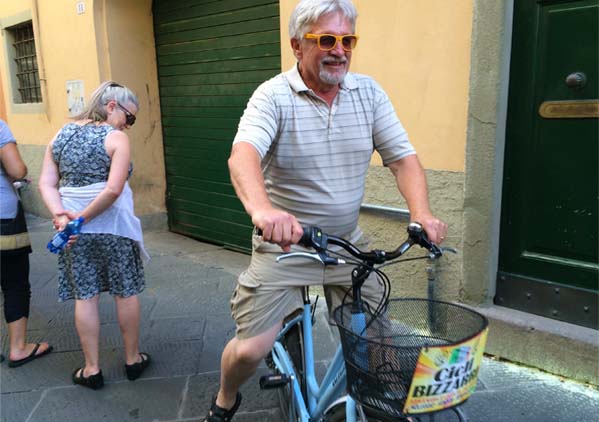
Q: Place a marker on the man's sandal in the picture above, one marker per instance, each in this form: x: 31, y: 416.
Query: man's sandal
x: 218, y: 414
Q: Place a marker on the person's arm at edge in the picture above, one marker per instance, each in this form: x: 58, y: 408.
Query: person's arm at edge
x: 12, y: 162
x: 277, y: 226
x: 411, y: 182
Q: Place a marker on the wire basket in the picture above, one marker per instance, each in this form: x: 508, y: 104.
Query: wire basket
x: 381, y: 353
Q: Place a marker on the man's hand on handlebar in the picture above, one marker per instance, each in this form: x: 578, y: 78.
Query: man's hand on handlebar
x: 435, y: 229
x: 316, y: 239
x: 278, y: 227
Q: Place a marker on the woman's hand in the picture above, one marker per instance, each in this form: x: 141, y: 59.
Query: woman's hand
x: 61, y: 220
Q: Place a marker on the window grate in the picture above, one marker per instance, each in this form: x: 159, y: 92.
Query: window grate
x: 26, y: 60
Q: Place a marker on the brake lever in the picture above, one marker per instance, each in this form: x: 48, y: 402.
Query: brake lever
x: 449, y: 249
x: 435, y: 251
x: 321, y: 257
x: 419, y: 237
x: 308, y: 255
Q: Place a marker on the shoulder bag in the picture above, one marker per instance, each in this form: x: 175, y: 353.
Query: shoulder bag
x: 14, y: 238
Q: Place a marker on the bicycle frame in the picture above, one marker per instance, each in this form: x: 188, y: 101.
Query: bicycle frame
x: 319, y: 397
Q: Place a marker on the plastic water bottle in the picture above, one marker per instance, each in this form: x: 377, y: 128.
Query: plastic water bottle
x: 60, y: 239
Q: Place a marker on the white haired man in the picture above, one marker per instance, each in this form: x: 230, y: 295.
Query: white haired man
x: 300, y: 156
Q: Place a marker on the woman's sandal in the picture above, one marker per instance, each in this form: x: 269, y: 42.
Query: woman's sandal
x: 135, y: 370
x: 95, y: 382
x: 218, y: 414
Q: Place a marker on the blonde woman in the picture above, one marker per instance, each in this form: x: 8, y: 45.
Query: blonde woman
x: 85, y: 173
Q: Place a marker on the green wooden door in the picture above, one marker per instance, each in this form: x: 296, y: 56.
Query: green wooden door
x: 548, y: 261
x: 211, y: 56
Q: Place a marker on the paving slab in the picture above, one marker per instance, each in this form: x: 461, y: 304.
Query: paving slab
x: 150, y: 400
x: 16, y: 407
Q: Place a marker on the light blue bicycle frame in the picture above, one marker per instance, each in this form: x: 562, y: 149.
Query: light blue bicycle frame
x: 319, y: 397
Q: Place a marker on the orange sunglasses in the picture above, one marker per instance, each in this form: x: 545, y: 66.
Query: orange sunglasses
x: 327, y: 42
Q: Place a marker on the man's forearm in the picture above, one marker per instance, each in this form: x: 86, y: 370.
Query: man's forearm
x: 411, y: 182
x: 247, y: 178
x: 277, y: 226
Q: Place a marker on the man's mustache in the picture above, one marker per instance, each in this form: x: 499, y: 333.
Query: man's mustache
x: 333, y: 60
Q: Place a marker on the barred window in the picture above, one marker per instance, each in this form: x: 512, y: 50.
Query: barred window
x: 27, y: 75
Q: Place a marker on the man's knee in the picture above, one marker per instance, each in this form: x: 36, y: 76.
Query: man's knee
x: 252, y: 350
x: 248, y: 353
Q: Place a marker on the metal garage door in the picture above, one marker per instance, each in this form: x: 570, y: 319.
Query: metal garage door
x: 211, y: 56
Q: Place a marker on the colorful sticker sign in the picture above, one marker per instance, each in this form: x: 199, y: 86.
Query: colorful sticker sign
x: 445, y: 376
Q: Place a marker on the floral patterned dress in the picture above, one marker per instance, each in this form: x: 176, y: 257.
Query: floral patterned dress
x: 96, y: 262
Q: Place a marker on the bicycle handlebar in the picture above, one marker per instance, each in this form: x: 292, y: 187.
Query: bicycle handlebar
x: 315, y: 238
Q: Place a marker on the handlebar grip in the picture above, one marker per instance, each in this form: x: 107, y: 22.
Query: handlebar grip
x: 415, y: 229
x: 305, y: 240
x: 419, y: 236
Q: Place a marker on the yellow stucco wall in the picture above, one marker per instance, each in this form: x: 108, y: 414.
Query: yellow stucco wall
x: 62, y: 55
x: 110, y: 40
x: 128, y: 55
x: 419, y: 51
x: 2, y: 104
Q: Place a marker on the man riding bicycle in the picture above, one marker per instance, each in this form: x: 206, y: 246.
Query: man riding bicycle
x: 300, y: 156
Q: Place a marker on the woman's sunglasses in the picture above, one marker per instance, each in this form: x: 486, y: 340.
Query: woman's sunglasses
x: 327, y: 42
x: 129, y: 117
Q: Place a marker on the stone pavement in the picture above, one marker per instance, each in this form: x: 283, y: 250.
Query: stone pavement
x: 185, y: 324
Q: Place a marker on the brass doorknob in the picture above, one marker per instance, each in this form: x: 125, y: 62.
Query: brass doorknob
x: 576, y: 80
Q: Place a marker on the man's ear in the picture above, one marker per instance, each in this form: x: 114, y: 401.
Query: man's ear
x: 295, y: 46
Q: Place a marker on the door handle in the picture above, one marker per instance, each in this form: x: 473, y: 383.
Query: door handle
x: 576, y: 80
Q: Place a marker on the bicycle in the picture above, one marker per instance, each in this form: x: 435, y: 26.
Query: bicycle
x: 381, y: 371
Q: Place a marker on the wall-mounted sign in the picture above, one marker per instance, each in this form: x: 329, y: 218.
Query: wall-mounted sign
x: 75, y: 97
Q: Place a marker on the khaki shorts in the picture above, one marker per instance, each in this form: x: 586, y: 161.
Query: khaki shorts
x: 268, y: 292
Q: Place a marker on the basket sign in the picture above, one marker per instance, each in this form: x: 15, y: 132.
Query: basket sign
x: 445, y: 376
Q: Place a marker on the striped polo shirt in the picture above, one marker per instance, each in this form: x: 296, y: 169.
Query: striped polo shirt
x: 315, y: 157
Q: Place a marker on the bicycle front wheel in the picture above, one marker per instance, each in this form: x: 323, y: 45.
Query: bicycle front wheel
x: 337, y: 414
x: 294, y: 344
